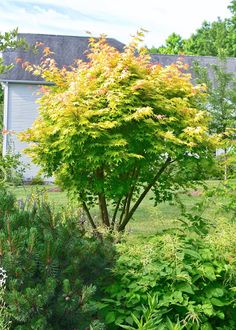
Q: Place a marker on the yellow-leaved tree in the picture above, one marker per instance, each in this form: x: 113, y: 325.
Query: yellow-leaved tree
x: 117, y: 126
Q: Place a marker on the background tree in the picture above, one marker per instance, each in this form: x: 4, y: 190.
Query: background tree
x: 221, y: 104
x: 173, y: 45
x: 211, y: 39
x: 114, y: 128
x: 7, y: 40
x: 215, y: 38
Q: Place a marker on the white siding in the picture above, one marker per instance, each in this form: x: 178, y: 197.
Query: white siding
x: 22, y: 110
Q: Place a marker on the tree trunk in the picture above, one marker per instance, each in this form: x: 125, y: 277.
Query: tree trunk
x: 102, y: 199
x: 225, y: 165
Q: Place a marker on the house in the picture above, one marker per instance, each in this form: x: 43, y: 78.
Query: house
x: 21, y: 87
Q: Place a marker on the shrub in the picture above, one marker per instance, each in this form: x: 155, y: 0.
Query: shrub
x: 11, y: 169
x: 37, y: 180
x: 193, y: 282
x: 224, y: 192
x: 53, y: 267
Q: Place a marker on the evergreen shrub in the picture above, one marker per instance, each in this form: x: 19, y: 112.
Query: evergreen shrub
x: 54, y: 268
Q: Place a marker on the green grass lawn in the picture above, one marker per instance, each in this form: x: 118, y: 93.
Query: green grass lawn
x: 147, y: 220
x: 58, y: 198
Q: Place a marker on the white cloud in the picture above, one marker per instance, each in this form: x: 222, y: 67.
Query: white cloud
x: 118, y: 19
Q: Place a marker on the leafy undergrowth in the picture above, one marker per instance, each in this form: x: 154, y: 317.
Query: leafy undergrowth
x: 62, y: 277
x: 184, y: 278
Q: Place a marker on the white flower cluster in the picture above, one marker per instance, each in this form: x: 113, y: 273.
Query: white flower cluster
x: 3, y: 277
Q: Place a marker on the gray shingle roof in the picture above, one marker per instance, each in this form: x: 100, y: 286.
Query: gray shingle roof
x: 66, y: 48
x: 69, y: 48
x: 204, y: 61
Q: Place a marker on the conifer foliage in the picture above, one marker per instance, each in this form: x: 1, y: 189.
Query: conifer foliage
x: 52, y: 267
x: 115, y: 127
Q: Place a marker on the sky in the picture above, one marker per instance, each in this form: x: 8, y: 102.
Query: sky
x: 116, y: 18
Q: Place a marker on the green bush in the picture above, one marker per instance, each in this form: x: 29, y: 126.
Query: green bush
x: 187, y: 274
x: 53, y: 266
x: 11, y: 169
x: 37, y: 180
x: 226, y: 192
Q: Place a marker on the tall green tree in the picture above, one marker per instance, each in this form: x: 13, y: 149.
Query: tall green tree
x: 217, y: 38
x: 174, y: 44
x: 232, y: 8
x: 211, y: 39
x: 221, y: 104
x: 114, y: 128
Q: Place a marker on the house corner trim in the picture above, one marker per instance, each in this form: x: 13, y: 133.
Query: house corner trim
x: 5, y: 117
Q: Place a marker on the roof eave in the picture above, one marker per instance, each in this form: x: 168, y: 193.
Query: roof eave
x: 29, y: 82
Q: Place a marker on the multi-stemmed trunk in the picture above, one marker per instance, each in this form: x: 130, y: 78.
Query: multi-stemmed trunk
x: 125, y: 206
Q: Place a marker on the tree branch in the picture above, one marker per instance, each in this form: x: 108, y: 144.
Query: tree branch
x: 130, y: 194
x: 144, y: 193
x: 123, y: 210
x: 115, y: 213
x: 89, y: 215
x: 128, y: 197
